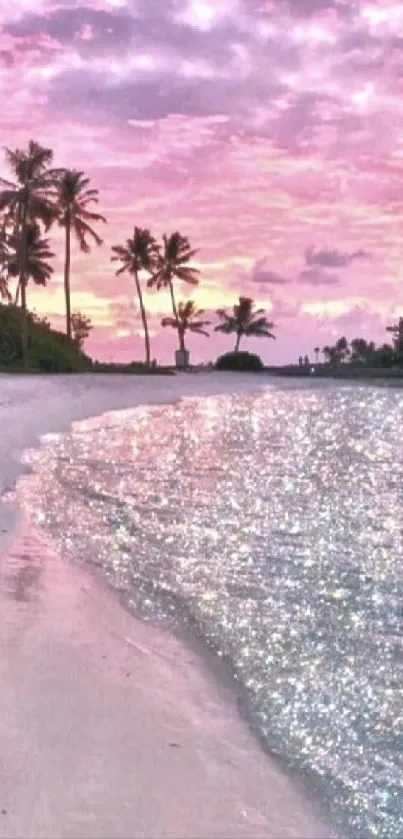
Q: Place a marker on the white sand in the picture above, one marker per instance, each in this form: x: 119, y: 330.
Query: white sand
x: 109, y: 727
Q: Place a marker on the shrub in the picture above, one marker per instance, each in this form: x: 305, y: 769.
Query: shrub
x: 49, y: 351
x: 51, y: 355
x: 10, y: 335
x: 240, y: 362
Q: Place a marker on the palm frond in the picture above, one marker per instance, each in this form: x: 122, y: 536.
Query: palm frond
x: 124, y: 268
x: 261, y: 322
x: 8, y: 199
x: 139, y: 254
x: 169, y: 321
x: 81, y: 230
x: 199, y: 328
x: 38, y: 253
x: 7, y: 184
x: 227, y: 327
x: 187, y: 275
x: 73, y: 195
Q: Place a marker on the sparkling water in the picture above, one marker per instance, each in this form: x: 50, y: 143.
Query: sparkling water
x: 271, y: 524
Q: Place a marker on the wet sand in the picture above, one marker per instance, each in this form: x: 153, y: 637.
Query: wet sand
x: 110, y: 727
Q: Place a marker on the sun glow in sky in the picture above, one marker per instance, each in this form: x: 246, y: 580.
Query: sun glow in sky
x: 270, y: 133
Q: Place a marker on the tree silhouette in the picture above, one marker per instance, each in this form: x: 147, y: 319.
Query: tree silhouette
x: 73, y: 200
x: 140, y: 253
x: 173, y: 264
x: 397, y: 331
x: 244, y: 320
x: 362, y: 350
x: 81, y: 327
x: 25, y: 200
x: 37, y: 258
x: 189, y: 319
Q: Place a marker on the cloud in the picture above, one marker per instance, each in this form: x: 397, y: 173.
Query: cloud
x: 263, y: 275
x: 332, y: 257
x: 283, y: 309
x: 318, y: 276
x: 306, y: 8
x: 270, y: 70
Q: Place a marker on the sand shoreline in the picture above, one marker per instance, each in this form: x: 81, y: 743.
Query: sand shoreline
x: 115, y: 728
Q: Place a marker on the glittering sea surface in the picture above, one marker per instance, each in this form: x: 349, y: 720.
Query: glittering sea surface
x: 272, y: 525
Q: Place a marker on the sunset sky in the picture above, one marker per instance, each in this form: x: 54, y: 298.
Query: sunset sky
x: 269, y: 133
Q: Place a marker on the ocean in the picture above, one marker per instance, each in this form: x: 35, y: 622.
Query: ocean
x: 270, y: 525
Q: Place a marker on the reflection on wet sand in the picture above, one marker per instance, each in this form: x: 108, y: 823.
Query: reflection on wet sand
x: 91, y: 702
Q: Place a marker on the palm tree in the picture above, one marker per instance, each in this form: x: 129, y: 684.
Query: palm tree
x: 317, y: 351
x: 189, y: 319
x: 173, y: 264
x: 37, y: 256
x: 330, y: 354
x: 140, y: 253
x: 244, y: 320
x: 25, y: 200
x: 342, y: 349
x: 73, y: 199
x: 338, y: 353
x: 362, y: 350
x: 397, y: 330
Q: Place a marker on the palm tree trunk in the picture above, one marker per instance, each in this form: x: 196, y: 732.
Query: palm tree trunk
x: 67, y: 275
x: 144, y: 320
x: 238, y: 341
x: 22, y: 283
x: 175, y: 313
x: 17, y: 294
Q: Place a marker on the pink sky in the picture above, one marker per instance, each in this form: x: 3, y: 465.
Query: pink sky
x: 258, y: 129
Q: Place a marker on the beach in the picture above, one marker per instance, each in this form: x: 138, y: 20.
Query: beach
x: 111, y: 727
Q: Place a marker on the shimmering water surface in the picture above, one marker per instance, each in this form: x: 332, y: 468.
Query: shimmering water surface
x: 272, y: 523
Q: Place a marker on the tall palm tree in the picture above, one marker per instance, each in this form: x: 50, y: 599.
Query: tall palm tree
x: 173, y: 264
x: 73, y: 199
x: 26, y: 199
x: 37, y: 256
x: 397, y: 330
x: 342, y: 349
x: 246, y: 321
x: 140, y: 253
x: 189, y: 319
x: 317, y: 351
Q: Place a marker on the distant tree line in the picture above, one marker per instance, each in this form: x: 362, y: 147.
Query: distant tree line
x: 362, y: 352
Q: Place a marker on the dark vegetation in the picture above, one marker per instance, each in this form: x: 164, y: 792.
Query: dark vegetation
x: 134, y: 367
x: 241, y: 362
x: 49, y: 351
x: 353, y: 359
